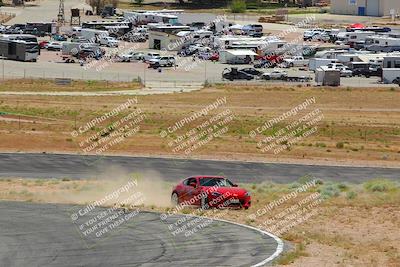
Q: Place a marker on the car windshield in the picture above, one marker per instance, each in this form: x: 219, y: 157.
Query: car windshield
x: 214, y: 181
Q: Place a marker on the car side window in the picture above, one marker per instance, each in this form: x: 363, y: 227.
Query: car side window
x: 191, y: 180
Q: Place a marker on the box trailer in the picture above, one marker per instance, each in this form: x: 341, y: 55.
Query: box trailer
x: 326, y: 76
x: 19, y: 50
x: 93, y: 36
x: 73, y: 48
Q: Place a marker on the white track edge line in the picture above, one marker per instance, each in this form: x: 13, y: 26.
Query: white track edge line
x: 279, y: 241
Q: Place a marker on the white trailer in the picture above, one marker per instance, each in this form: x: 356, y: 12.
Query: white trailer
x: 315, y: 63
x: 236, y: 56
x: 327, y: 76
x: 93, y: 36
x: 390, y: 74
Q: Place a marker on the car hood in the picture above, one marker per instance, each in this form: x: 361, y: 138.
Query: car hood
x: 235, y: 191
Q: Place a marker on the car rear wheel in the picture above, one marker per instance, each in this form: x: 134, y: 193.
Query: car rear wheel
x: 174, y: 199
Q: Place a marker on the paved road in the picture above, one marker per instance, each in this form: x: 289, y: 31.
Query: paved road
x: 44, y: 235
x: 78, y: 166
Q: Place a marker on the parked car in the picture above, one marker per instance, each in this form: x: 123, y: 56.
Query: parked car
x: 163, y: 61
x: 252, y: 71
x: 59, y: 38
x: 150, y: 55
x: 274, y: 75
x: 397, y: 81
x: 208, y: 56
x: 235, y: 74
x: 210, y: 191
x: 54, y: 46
x: 346, y: 72
x: 109, y: 41
x: 310, y: 34
x: 297, y: 61
x: 269, y: 61
x: 43, y: 44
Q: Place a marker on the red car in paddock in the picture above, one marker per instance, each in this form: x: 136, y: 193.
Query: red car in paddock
x: 210, y: 191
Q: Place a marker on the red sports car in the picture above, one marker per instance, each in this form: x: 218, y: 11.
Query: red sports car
x: 210, y: 191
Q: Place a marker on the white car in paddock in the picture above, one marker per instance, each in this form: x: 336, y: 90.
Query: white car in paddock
x: 274, y: 75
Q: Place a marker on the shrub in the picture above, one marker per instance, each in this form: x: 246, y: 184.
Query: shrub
x: 380, y: 185
x: 139, y: 2
x: 351, y: 195
x: 342, y: 186
x: 238, y: 6
x: 340, y: 145
x: 328, y: 191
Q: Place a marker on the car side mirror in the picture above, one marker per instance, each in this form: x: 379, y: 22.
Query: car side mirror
x: 192, y: 184
x: 235, y: 185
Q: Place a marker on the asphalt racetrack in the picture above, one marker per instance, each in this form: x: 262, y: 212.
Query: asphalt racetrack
x: 80, y: 166
x: 46, y: 235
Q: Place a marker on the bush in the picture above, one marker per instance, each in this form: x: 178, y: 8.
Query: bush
x: 238, y: 6
x: 340, y: 145
x: 320, y: 145
x: 351, y: 195
x: 328, y: 191
x: 342, y: 186
x: 139, y: 2
x: 380, y: 185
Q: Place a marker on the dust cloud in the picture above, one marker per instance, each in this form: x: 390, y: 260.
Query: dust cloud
x: 115, y: 187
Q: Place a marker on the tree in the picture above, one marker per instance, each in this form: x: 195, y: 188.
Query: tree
x: 98, y: 5
x: 238, y: 6
x: 139, y: 2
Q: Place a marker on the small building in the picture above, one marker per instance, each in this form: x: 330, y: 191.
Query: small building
x: 375, y: 8
x: 327, y: 76
x: 165, y: 37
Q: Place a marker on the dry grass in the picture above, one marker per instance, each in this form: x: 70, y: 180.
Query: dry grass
x: 359, y: 125
x: 48, y: 85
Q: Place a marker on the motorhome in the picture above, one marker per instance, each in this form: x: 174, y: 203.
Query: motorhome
x: 115, y: 28
x: 140, y: 18
x: 382, y: 43
x: 19, y: 50
x: 263, y: 45
x: 330, y: 54
x: 350, y: 38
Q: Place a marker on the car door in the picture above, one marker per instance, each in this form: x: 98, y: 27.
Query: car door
x: 189, y: 191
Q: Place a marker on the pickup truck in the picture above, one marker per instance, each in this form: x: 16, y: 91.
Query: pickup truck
x: 109, y: 41
x: 297, y: 61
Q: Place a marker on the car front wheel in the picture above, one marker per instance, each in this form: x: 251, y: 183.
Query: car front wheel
x: 204, y: 203
x: 174, y: 199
